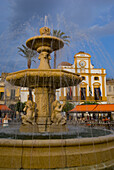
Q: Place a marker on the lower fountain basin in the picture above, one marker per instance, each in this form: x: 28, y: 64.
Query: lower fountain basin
x: 84, y: 153
x: 53, y: 78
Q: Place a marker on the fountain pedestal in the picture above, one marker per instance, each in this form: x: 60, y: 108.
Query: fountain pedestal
x: 42, y: 103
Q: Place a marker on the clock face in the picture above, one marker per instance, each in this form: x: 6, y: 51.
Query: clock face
x: 82, y: 63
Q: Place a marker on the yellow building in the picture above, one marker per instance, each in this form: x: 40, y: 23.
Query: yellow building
x: 9, y: 94
x: 93, y: 86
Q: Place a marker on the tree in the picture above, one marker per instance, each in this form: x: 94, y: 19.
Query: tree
x: 28, y: 54
x: 89, y: 103
x: 12, y: 107
x: 61, y: 35
x: 19, y: 106
x: 68, y: 106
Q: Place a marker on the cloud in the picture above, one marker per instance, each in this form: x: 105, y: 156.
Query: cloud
x: 28, y: 16
x: 81, y: 19
x: 81, y: 12
x: 104, y: 30
x: 25, y: 9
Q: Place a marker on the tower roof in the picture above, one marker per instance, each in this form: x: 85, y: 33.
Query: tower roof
x: 82, y: 54
x: 65, y: 63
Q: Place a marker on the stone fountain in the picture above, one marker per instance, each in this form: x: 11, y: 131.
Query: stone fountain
x: 45, y: 81
x: 77, y: 153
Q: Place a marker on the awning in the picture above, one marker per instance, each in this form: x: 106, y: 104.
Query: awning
x: 3, y: 107
x: 104, y: 108
x: 93, y: 108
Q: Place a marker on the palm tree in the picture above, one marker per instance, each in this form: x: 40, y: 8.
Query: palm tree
x: 28, y: 54
x: 64, y: 37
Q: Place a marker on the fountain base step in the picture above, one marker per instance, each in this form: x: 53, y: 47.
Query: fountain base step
x: 67, y: 154
x: 43, y: 128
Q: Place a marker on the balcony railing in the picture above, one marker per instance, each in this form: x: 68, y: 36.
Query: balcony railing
x: 78, y: 98
x: 13, y: 98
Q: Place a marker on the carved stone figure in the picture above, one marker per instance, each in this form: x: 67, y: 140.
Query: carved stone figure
x: 56, y: 116
x: 29, y: 118
x: 44, y: 31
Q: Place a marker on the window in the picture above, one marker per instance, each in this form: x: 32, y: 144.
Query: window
x: 96, y: 78
x: 83, y: 78
x: 69, y: 93
x: 109, y: 88
x: 97, y: 93
x: 83, y: 93
x: 12, y: 94
x: 1, y: 95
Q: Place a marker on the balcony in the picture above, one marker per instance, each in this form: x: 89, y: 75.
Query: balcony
x: 78, y: 98
x: 15, y: 98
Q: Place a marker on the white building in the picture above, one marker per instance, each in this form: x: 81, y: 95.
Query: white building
x: 24, y: 94
x: 93, y: 86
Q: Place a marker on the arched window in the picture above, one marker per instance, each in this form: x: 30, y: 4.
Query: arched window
x: 83, y: 93
x: 97, y: 93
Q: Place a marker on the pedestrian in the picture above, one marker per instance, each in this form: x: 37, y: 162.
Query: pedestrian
x: 5, y: 121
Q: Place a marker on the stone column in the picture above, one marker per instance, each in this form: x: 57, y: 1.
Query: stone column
x: 42, y: 102
x: 51, y: 99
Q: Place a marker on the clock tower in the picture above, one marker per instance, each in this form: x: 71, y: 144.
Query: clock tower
x: 93, y: 86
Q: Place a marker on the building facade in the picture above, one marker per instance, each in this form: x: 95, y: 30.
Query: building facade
x: 9, y: 94
x: 24, y: 94
x: 93, y: 85
x: 110, y: 91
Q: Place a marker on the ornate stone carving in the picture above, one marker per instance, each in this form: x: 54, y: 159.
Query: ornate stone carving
x: 44, y: 31
x: 29, y: 118
x: 52, y: 77
x: 56, y: 116
x: 42, y: 100
x: 44, y: 58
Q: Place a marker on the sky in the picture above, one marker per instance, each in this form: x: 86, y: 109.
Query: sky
x: 89, y: 23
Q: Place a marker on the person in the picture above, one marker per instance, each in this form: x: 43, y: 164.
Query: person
x: 17, y: 116
x: 5, y: 121
x: 56, y: 116
x: 29, y: 118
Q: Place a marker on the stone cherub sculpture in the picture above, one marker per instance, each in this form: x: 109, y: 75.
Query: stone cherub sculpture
x: 56, y: 116
x: 44, y: 31
x: 29, y: 118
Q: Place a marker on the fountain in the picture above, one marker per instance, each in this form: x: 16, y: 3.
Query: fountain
x: 44, y: 79
x: 96, y: 152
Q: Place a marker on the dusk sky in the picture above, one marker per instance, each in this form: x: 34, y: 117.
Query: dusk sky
x: 89, y: 23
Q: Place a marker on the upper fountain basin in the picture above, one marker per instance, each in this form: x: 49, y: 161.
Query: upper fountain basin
x: 45, y: 43
x: 53, y: 78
